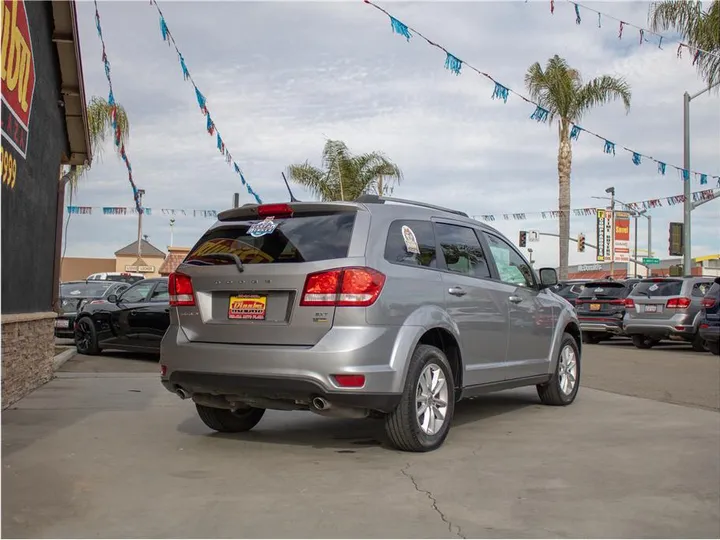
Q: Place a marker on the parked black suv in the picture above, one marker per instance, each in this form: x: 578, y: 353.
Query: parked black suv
x: 710, y: 318
x: 601, y: 308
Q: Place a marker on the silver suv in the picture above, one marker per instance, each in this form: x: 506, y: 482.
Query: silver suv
x: 378, y: 307
x: 666, y: 308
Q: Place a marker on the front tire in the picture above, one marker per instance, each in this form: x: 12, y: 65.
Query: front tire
x: 643, y: 342
x: 86, y: 340
x: 562, y: 388
x: 421, y: 421
x: 227, y: 421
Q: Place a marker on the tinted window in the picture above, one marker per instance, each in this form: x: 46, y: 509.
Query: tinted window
x: 84, y: 290
x: 136, y: 293
x: 462, y: 250
x: 511, y: 266
x: 160, y: 294
x: 713, y: 291
x: 658, y: 288
x: 701, y: 289
x: 411, y: 242
x: 290, y: 240
x: 604, y: 290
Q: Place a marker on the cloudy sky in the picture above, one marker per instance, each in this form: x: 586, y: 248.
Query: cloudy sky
x: 281, y: 77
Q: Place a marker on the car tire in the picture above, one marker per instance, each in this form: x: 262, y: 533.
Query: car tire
x: 592, y: 338
x: 698, y: 344
x: 643, y: 342
x: 86, y: 340
x: 714, y: 347
x: 562, y: 388
x: 410, y: 429
x: 227, y: 421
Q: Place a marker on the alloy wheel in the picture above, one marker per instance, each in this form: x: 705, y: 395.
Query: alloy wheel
x: 431, y: 399
x: 567, y: 370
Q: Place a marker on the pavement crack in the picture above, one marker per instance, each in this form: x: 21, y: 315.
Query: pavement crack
x: 434, y: 502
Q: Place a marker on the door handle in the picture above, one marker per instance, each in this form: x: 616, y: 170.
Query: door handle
x: 515, y: 299
x: 457, y: 291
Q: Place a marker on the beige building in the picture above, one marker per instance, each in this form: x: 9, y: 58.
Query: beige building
x: 151, y: 258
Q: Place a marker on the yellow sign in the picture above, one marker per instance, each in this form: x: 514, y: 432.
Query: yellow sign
x: 9, y: 169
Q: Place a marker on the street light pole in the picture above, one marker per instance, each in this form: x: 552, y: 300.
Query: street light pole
x: 688, y: 204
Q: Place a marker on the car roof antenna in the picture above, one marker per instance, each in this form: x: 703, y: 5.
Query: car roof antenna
x: 292, y: 197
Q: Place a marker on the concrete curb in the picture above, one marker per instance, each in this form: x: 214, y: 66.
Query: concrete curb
x: 63, y: 357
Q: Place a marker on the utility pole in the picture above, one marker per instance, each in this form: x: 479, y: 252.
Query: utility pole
x: 236, y: 200
x: 688, y: 204
x: 530, y: 251
x: 141, y: 192
x: 172, y: 224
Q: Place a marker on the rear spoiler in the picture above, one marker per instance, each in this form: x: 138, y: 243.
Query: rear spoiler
x: 254, y: 211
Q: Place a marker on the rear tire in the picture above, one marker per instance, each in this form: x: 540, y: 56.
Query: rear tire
x: 86, y: 340
x: 714, y: 347
x: 698, y: 344
x: 227, y: 421
x: 643, y: 342
x: 408, y: 427
x: 562, y: 388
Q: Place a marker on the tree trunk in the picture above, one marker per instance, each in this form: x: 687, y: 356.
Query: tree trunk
x: 564, y: 167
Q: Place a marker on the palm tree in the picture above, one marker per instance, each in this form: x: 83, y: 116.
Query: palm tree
x: 345, y: 176
x: 100, y: 125
x: 697, y: 27
x: 560, y: 90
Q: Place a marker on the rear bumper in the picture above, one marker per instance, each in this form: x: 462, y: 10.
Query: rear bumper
x: 679, y: 326
x: 294, y: 373
x: 66, y: 332
x: 601, y: 325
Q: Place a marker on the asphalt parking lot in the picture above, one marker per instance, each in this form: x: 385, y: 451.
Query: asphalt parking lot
x: 104, y: 451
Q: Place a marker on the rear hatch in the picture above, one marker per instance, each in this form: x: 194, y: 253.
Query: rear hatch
x: 657, y: 298
x: 248, y: 274
x: 602, y: 299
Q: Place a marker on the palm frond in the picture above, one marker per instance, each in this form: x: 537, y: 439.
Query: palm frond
x: 600, y: 91
x: 311, y: 178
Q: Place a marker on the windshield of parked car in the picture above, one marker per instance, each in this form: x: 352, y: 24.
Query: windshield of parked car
x: 609, y: 290
x: 84, y: 290
x: 670, y: 287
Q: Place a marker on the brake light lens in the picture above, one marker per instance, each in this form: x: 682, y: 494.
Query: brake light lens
x: 618, y: 302
x: 180, y: 289
x: 265, y: 210
x: 353, y: 286
x: 678, y: 303
x: 708, y: 302
x: 629, y: 303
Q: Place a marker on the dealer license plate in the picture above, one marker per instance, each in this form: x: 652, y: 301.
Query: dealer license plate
x: 248, y: 307
x: 651, y: 308
x: 62, y: 323
x: 594, y: 307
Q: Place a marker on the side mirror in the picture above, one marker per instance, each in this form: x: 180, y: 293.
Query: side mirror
x: 112, y: 298
x: 548, y: 277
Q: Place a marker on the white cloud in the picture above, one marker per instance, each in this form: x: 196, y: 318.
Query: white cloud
x: 280, y: 77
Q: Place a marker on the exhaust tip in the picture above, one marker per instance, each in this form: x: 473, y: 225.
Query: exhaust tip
x: 182, y: 393
x: 320, y: 404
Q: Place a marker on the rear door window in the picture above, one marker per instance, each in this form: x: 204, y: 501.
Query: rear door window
x: 462, y: 250
x: 670, y: 287
x: 411, y: 242
x: 713, y: 291
x: 308, y: 238
x: 700, y: 289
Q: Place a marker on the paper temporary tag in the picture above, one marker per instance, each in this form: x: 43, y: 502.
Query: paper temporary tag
x: 599, y: 289
x: 261, y: 228
x: 410, y: 241
x: 75, y: 292
x: 653, y: 287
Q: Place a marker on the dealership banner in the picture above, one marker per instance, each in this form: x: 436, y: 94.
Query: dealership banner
x: 601, y: 256
x: 622, y: 237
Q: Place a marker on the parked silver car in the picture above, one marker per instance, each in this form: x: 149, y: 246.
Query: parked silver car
x: 377, y: 307
x: 666, y: 308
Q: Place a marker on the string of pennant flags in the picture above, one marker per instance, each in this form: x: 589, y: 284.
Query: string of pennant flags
x: 705, y: 195
x: 642, y: 33
x: 202, y: 103
x: 502, y: 92
x: 113, y: 114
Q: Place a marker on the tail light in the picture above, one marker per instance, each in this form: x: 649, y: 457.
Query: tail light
x: 678, y: 303
x: 618, y: 302
x: 350, y: 381
x: 708, y: 302
x: 354, y: 286
x: 265, y: 210
x: 577, y: 301
x: 180, y: 289
x: 629, y: 303
x: 98, y: 302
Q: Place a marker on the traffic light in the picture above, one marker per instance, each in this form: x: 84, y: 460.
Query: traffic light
x: 523, y: 238
x: 676, y: 240
x: 581, y: 242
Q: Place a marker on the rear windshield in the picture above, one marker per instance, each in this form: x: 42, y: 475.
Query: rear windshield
x: 292, y: 240
x: 117, y: 278
x: 84, y: 290
x: 658, y: 288
x: 608, y: 290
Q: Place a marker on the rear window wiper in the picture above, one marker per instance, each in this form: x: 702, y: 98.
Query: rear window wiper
x: 227, y: 256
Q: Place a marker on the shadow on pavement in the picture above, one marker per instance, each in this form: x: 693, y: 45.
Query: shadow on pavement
x: 301, y: 428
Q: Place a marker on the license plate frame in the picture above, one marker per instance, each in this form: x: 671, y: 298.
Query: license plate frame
x: 651, y: 308
x: 248, y: 307
x: 62, y: 323
x: 595, y: 307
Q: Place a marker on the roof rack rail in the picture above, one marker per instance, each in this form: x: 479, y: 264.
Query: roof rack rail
x: 376, y: 199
